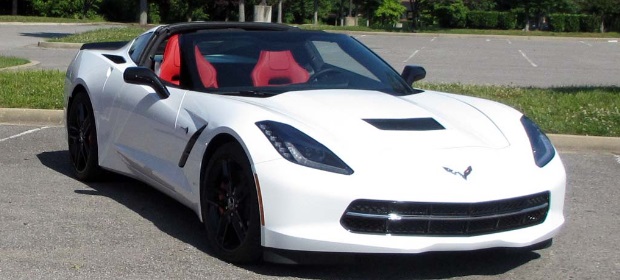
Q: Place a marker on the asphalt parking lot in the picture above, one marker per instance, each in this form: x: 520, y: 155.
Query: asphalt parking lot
x: 503, y: 60
x: 498, y: 60
x: 53, y: 226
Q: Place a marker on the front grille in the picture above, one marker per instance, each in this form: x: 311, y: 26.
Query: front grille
x: 445, y: 219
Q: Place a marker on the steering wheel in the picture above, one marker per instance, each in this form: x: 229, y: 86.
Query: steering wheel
x: 315, y: 77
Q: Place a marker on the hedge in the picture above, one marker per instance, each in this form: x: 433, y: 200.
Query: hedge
x: 482, y: 19
x: 506, y: 20
x: 557, y: 22
x: 589, y: 23
x: 452, y: 16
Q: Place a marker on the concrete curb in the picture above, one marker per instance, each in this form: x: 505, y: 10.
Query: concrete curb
x: 580, y: 143
x: 31, y: 116
x: 564, y: 143
x: 29, y: 64
x: 59, y: 45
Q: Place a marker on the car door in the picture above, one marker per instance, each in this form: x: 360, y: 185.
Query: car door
x: 147, y: 142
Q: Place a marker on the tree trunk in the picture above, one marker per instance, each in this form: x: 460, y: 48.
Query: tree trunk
x: 14, y: 10
x: 143, y: 12
x: 527, y: 24
x: 280, y: 11
x: 241, y: 10
x: 602, y: 23
x: 350, y: 8
x: 315, y: 20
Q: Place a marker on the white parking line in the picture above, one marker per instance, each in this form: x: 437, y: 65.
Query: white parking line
x: 587, y: 44
x: 617, y: 158
x: 509, y: 42
x: 433, y: 40
x: 528, y: 59
x: 411, y: 56
x: 23, y: 133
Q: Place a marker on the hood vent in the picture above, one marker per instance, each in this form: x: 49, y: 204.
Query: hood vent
x: 418, y: 124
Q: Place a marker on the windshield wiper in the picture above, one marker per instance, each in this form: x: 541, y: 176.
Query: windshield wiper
x: 247, y: 93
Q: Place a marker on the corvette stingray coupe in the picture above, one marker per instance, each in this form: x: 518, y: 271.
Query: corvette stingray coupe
x: 286, y: 142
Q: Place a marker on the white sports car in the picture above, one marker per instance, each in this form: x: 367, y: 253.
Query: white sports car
x: 286, y: 142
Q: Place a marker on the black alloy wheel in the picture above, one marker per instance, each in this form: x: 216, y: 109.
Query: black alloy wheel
x: 230, y: 206
x: 82, y: 137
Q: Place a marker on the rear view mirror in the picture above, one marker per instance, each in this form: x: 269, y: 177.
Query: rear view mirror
x: 413, y: 73
x: 146, y: 77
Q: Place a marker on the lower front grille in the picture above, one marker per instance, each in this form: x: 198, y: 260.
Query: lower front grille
x: 445, y: 219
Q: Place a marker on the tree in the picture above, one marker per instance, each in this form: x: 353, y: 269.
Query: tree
x: 143, y: 12
x: 390, y: 11
x: 315, y: 19
x: 241, y: 10
x: 602, y: 9
x: 279, y: 11
x: 14, y: 9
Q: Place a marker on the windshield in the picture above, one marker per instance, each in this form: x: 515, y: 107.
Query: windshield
x: 267, y: 62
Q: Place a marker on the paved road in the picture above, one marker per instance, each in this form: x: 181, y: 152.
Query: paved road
x: 52, y: 226
x: 520, y: 61
x: 21, y: 41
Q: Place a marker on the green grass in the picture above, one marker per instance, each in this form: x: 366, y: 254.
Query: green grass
x: 523, y: 33
x: 103, y: 35
x: 565, y: 110
x: 40, y: 89
x: 5, y: 18
x: 8, y: 61
x: 467, y: 31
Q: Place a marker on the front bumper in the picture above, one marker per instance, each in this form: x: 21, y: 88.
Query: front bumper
x: 303, y: 209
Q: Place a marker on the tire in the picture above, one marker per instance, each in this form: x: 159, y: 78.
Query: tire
x: 82, y: 138
x: 229, y: 206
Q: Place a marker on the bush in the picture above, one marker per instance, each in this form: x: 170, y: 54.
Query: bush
x: 153, y: 13
x: 453, y: 15
x: 482, y: 19
x: 571, y: 23
x: 614, y: 24
x: 67, y: 8
x: 506, y: 20
x: 557, y: 22
x: 589, y: 23
x: 111, y: 9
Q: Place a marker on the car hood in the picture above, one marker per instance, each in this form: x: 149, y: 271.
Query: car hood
x: 425, y: 120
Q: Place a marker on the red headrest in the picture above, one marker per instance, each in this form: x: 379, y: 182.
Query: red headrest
x: 171, y: 66
x: 206, y: 71
x: 278, y: 68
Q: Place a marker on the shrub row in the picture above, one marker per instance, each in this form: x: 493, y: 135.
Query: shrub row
x: 573, y: 23
x: 491, y: 20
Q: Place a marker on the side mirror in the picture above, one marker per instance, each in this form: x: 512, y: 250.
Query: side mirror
x: 413, y: 73
x: 146, y: 77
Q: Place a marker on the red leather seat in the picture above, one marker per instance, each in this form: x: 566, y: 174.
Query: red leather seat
x: 206, y: 71
x: 170, y: 69
x: 278, y: 68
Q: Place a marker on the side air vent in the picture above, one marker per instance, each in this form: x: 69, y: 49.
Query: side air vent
x: 418, y: 124
x: 115, y: 58
x: 104, y: 46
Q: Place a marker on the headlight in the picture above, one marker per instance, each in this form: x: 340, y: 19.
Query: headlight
x: 299, y: 148
x: 541, y: 145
